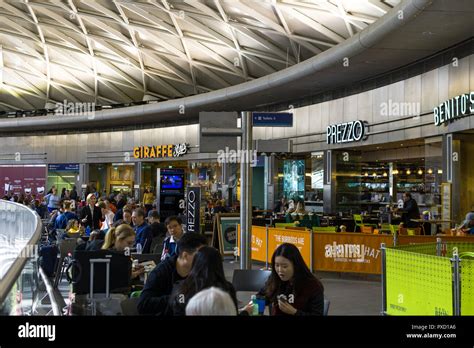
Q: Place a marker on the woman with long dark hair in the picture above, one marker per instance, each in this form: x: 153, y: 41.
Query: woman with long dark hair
x: 207, y: 271
x: 291, y: 288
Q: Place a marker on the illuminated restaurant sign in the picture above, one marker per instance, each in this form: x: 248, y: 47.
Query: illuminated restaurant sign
x: 160, y: 151
x: 345, y: 132
x: 454, y: 108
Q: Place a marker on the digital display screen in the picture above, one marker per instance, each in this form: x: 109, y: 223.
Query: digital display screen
x: 293, y: 178
x: 171, y: 182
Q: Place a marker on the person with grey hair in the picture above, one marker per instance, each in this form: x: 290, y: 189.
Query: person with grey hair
x: 211, y: 301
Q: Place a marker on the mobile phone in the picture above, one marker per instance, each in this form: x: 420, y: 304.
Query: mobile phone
x: 282, y: 298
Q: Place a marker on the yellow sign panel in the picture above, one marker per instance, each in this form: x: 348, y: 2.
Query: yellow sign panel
x: 160, y: 151
x: 301, y: 239
x: 259, y: 243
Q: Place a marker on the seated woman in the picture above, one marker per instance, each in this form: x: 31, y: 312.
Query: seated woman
x: 121, y: 239
x: 291, y: 288
x: 300, y: 209
x: 207, y: 271
x: 73, y: 226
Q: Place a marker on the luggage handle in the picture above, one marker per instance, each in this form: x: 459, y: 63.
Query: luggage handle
x: 107, y: 276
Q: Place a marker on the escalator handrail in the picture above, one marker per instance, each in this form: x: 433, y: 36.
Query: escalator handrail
x: 9, y: 279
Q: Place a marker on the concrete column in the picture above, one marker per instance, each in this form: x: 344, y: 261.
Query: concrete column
x: 137, y: 182
x: 83, y: 180
x: 246, y: 193
x: 329, y: 190
x: 452, y: 172
x: 269, y: 194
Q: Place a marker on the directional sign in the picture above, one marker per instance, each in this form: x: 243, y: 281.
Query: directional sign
x: 63, y: 167
x: 272, y: 119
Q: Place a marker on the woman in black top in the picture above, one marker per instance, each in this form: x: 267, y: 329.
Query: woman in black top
x: 207, y: 271
x: 291, y: 288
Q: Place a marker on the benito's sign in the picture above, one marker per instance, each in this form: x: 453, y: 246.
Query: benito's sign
x: 454, y: 108
x: 160, y: 151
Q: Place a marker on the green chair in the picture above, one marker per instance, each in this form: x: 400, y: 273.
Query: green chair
x: 325, y: 229
x: 315, y: 221
x: 359, y: 222
x: 388, y: 227
x: 305, y: 222
x: 136, y: 294
x: 284, y: 224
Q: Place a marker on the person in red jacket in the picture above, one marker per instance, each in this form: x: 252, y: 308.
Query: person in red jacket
x: 291, y: 288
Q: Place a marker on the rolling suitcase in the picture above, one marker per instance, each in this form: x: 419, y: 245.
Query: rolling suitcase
x: 95, y: 275
x: 48, y: 257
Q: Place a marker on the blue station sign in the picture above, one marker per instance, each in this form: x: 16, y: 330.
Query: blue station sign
x: 272, y: 119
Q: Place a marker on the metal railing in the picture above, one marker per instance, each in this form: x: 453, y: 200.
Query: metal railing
x: 20, y: 231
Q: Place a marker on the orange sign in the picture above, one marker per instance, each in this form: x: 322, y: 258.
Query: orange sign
x: 301, y: 239
x: 259, y: 243
x: 349, y: 252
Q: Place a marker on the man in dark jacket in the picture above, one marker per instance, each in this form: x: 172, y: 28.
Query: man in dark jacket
x: 409, y: 211
x: 142, y: 229
x: 155, y: 295
x: 158, y: 229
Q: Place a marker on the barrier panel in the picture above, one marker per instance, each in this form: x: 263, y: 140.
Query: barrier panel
x: 418, y: 284
x: 348, y: 252
x: 467, y: 287
x: 263, y: 246
x: 402, y: 239
x: 429, y: 279
x: 300, y: 238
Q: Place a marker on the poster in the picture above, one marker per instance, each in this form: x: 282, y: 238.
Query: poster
x: 446, y: 204
x: 227, y: 232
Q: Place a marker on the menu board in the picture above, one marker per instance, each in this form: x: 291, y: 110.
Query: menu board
x: 446, y: 203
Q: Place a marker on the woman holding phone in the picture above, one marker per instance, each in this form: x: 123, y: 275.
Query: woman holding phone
x: 291, y: 288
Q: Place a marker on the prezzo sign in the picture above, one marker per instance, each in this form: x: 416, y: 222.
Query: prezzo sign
x: 345, y: 132
x: 193, y: 208
x: 457, y: 107
x: 160, y: 151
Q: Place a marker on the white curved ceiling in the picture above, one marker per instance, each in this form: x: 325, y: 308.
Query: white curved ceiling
x: 122, y: 51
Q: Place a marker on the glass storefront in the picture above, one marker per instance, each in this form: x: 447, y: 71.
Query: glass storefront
x: 63, y: 176
x: 368, y: 180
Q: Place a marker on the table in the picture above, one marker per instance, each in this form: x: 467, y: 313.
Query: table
x: 432, y: 222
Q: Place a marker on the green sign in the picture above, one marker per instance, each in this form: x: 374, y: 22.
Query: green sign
x: 227, y: 230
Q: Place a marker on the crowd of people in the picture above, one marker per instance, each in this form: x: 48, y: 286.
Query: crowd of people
x: 189, y: 279
x: 192, y: 282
